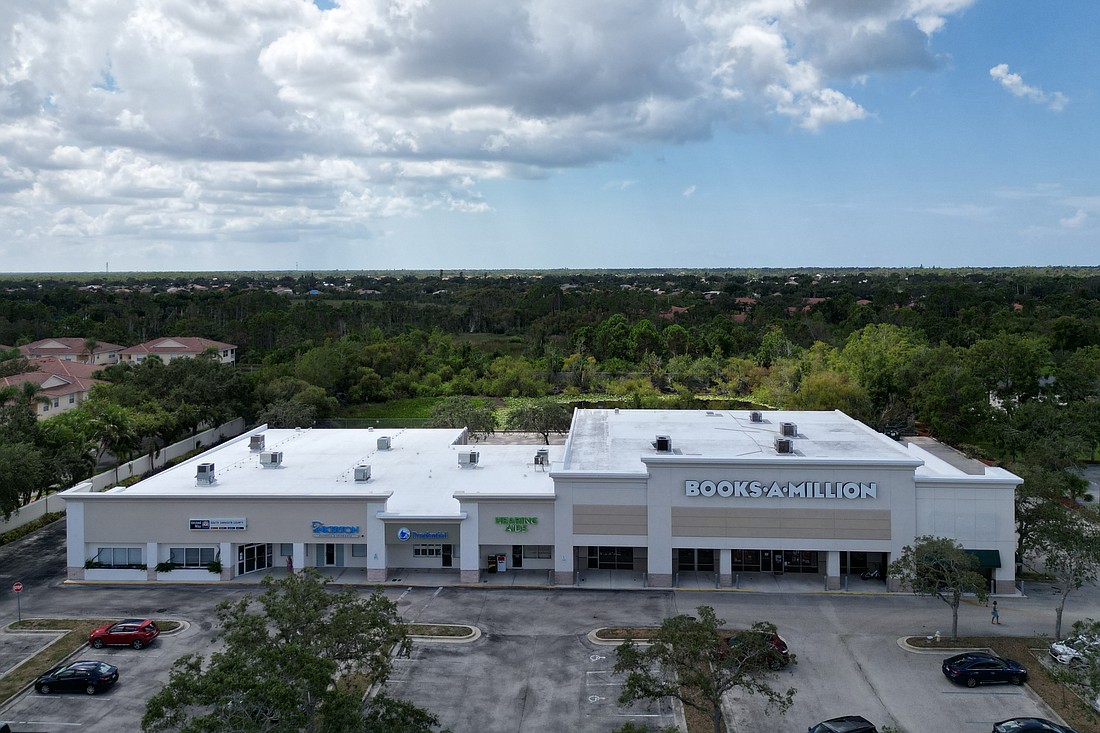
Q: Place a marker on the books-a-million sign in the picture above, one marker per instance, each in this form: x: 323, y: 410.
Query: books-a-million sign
x: 789, y: 490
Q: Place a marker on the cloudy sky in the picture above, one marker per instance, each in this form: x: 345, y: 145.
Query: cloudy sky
x: 480, y: 134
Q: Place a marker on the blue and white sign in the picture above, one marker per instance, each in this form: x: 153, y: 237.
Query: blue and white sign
x: 320, y: 529
x: 404, y: 534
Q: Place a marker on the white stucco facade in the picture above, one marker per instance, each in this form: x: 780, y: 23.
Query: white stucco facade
x: 654, y: 492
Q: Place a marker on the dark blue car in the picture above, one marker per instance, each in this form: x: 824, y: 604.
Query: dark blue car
x: 89, y: 677
x: 978, y: 668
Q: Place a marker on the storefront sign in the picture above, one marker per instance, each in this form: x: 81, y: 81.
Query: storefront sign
x: 790, y: 490
x: 235, y: 523
x: 517, y: 524
x: 320, y: 529
x: 405, y: 534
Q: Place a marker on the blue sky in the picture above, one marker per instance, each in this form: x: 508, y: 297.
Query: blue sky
x: 273, y: 134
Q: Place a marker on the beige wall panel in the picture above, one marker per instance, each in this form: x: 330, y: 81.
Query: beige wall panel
x: 610, y: 520
x: 825, y: 524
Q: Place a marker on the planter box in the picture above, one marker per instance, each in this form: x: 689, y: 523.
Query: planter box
x: 189, y: 575
x: 115, y: 574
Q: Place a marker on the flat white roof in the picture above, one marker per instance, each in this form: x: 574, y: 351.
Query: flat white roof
x: 420, y: 470
x: 617, y: 440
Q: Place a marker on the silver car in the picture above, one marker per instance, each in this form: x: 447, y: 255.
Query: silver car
x: 1075, y: 649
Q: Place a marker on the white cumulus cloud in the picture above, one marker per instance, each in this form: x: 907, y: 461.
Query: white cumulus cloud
x: 162, y: 120
x: 1015, y: 85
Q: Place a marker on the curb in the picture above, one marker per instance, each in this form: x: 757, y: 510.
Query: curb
x: 474, y: 635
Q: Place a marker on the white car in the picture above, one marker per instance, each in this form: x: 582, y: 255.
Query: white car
x: 1074, y: 649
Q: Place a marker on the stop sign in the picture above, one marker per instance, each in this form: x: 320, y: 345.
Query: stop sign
x: 17, y: 587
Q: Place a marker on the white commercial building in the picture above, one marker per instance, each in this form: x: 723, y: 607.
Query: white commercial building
x: 658, y: 492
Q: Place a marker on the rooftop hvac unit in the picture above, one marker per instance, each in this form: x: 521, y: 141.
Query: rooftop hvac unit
x: 756, y: 416
x: 788, y: 429
x: 256, y: 443
x: 663, y: 444
x: 467, y: 458
x: 784, y: 445
x: 271, y: 458
x: 362, y: 472
x: 384, y: 442
x: 204, y: 474
x: 542, y: 457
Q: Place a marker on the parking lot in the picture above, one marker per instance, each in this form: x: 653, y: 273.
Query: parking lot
x: 141, y: 674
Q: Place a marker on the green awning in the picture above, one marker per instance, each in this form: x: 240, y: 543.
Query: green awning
x: 986, y: 558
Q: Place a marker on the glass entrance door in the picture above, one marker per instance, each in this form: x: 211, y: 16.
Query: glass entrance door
x: 611, y: 558
x: 251, y: 558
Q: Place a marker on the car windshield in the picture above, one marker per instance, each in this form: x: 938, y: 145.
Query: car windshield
x: 103, y: 668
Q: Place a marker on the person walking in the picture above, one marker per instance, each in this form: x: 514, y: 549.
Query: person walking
x: 996, y: 614
x: 289, y: 564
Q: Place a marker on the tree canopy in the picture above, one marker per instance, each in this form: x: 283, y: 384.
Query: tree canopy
x: 940, y: 567
x: 297, y: 657
x: 696, y: 661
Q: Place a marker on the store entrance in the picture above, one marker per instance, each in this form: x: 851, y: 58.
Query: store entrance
x: 779, y: 562
x: 251, y: 558
x: 611, y: 558
x: 690, y: 559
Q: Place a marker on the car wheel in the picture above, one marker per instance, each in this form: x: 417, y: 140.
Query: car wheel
x: 97, y: 643
x: 971, y: 682
x: 137, y: 643
x: 1016, y: 679
x: 44, y: 689
x: 90, y: 689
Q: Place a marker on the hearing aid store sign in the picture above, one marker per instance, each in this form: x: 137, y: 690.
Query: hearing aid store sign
x: 789, y: 490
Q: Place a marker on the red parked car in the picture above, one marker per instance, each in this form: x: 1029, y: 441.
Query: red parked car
x: 128, y: 632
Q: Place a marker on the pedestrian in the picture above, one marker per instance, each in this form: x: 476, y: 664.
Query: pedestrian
x: 289, y: 564
x: 996, y: 614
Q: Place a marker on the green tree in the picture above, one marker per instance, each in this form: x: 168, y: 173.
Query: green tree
x: 473, y: 413
x: 940, y: 567
x: 113, y: 428
x: 539, y: 416
x: 294, y: 659
x: 22, y: 472
x: 1071, y: 553
x: 690, y: 659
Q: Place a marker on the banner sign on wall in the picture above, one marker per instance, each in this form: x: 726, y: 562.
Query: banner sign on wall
x: 233, y: 523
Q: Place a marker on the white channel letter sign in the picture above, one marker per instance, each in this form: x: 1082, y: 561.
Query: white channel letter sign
x: 789, y: 490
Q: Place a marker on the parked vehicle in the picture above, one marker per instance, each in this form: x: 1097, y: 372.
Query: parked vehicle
x: 86, y: 676
x: 976, y: 668
x: 779, y: 655
x: 1030, y: 725
x: 844, y: 724
x: 133, y: 632
x: 1075, y: 649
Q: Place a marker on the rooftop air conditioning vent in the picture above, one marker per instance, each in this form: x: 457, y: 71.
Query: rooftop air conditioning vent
x: 271, y: 458
x: 784, y: 446
x: 467, y: 458
x: 256, y: 443
x: 756, y: 416
x: 542, y: 457
x: 384, y: 442
x: 204, y: 474
x: 362, y: 472
x: 663, y: 444
x: 788, y: 429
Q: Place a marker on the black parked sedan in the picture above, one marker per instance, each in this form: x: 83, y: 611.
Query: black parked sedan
x: 1030, y: 725
x: 89, y: 677
x: 977, y: 668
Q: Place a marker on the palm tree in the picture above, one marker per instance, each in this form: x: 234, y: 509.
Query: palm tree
x: 90, y: 345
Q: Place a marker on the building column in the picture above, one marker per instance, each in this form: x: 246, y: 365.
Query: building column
x: 229, y: 560
x: 469, y: 539
x: 74, y: 538
x: 377, y: 571
x: 725, y: 568
x: 832, y: 570
x: 298, y: 556
x: 152, y: 552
